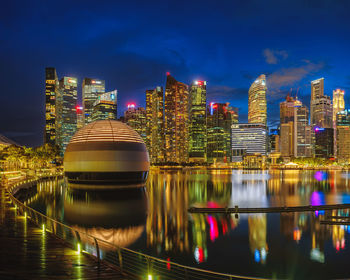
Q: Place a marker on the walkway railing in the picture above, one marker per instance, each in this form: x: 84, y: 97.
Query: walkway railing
x: 134, y: 264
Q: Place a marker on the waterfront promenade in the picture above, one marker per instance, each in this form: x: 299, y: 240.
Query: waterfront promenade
x: 28, y: 252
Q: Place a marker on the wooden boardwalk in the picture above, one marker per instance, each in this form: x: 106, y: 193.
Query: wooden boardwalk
x: 28, y: 253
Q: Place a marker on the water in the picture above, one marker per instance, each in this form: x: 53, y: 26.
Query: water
x: 154, y: 220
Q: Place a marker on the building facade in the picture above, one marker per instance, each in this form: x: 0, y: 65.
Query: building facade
x: 197, y: 119
x: 338, y: 106
x: 91, y: 89
x: 324, y: 146
x: 248, y: 139
x: 155, y: 124
x: 220, y: 117
x: 80, y: 117
x: 176, y: 121
x: 51, y: 92
x: 257, y: 101
x: 136, y: 118
x: 66, y: 111
x: 343, y: 135
x: 105, y: 107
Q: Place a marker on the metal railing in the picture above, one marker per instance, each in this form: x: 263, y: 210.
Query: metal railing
x: 134, y: 264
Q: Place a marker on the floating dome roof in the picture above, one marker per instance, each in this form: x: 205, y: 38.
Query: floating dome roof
x: 106, y: 131
x: 106, y: 151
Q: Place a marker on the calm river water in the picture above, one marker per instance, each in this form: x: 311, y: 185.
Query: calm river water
x: 154, y: 220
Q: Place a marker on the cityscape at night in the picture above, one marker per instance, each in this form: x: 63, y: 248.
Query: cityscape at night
x: 175, y: 140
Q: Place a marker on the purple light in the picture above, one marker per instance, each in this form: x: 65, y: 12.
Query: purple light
x: 320, y: 176
x: 317, y: 198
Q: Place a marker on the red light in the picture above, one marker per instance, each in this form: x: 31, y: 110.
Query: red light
x: 215, y: 106
x: 200, y: 83
x: 131, y: 105
x: 78, y: 108
x: 167, y: 73
x: 168, y: 266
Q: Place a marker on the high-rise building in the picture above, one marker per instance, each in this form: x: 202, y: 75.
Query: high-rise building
x: 343, y: 135
x: 105, y: 107
x: 155, y: 124
x: 317, y: 88
x: 80, y: 117
x: 324, y: 142
x: 176, y: 120
x: 274, y: 138
x: 338, y: 103
x: 136, y: 118
x: 257, y: 101
x: 302, y: 131
x: 51, y: 92
x: 67, y: 116
x: 220, y: 117
x: 197, y: 119
x: 338, y: 106
x: 92, y: 88
x: 295, y: 136
x: 322, y: 115
x: 248, y: 139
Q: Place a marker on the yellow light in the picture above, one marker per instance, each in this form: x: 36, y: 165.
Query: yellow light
x: 150, y: 277
x: 43, y: 227
x: 78, y: 248
x: 25, y: 215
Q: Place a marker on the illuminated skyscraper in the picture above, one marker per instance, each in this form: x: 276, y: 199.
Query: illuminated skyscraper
x: 248, y: 139
x: 257, y: 101
x: 343, y: 135
x: 67, y: 116
x: 338, y: 103
x: 176, y: 120
x: 324, y: 145
x: 197, y: 118
x: 136, y: 118
x: 155, y: 124
x: 51, y: 92
x: 80, y: 117
x: 338, y: 106
x: 105, y: 107
x: 220, y: 117
x: 295, y: 137
x: 92, y: 88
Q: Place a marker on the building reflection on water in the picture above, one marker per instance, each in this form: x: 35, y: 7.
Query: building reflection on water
x: 158, y: 222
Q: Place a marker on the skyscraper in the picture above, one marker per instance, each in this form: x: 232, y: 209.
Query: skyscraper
x: 220, y: 117
x: 197, y: 118
x: 51, y: 92
x: 343, y: 135
x: 324, y: 145
x: 80, y: 117
x: 91, y: 90
x: 176, y: 120
x: 248, y: 139
x: 302, y: 131
x: 155, y: 124
x: 338, y: 103
x: 136, y: 118
x: 67, y: 116
x: 257, y: 101
x: 105, y: 107
x: 338, y: 106
x: 295, y: 137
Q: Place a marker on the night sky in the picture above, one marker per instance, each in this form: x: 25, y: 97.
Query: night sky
x: 132, y: 44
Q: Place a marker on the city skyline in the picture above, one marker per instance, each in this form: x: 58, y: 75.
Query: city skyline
x: 228, y: 45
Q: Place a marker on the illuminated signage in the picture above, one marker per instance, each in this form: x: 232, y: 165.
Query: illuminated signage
x: 200, y: 83
x: 96, y: 82
x: 167, y: 73
x: 131, y: 105
x: 72, y: 81
x: 211, y: 108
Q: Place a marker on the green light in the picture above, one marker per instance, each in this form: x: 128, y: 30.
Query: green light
x: 78, y: 248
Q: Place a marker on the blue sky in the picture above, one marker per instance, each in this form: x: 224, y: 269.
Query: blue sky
x: 132, y: 44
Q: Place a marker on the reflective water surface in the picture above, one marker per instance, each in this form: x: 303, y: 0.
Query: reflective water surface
x: 154, y: 220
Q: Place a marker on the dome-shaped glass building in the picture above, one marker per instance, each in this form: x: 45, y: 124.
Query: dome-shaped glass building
x: 106, y: 152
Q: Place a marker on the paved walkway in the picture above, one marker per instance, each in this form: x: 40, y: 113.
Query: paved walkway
x: 28, y: 253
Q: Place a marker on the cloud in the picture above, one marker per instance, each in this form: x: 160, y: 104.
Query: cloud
x: 290, y: 76
x: 274, y: 56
